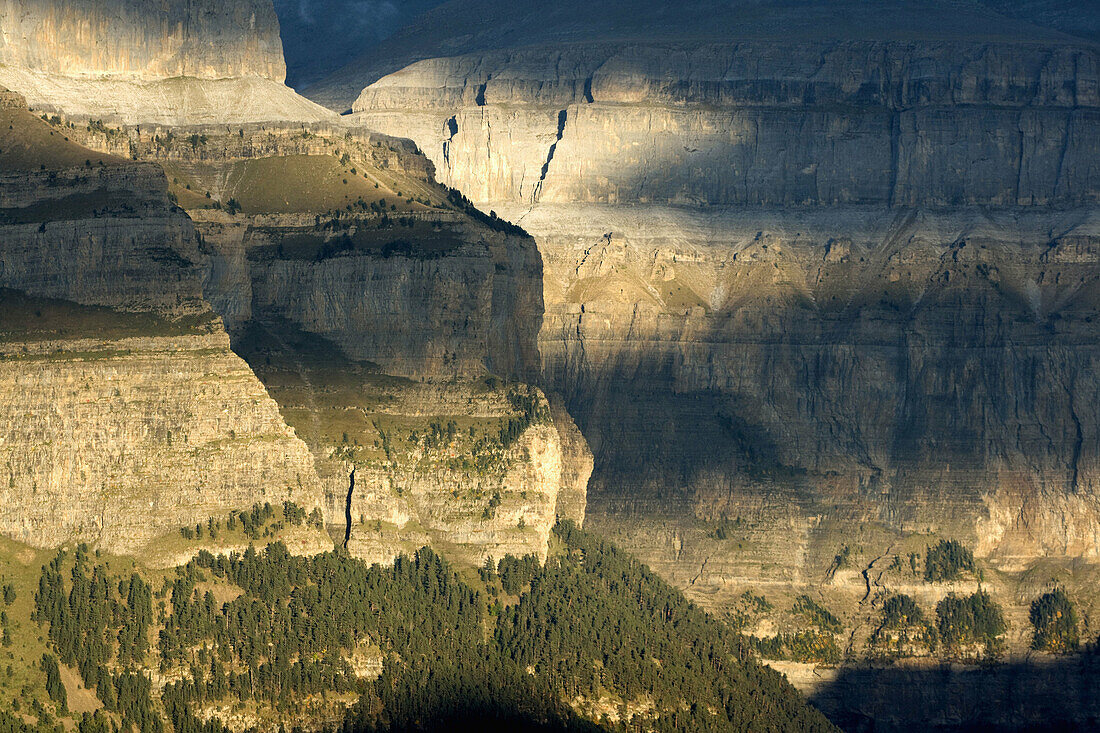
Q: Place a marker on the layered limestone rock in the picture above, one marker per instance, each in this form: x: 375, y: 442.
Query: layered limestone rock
x: 124, y: 414
x: 99, y: 235
x: 415, y: 316
x: 172, y: 62
x: 340, y: 288
x: 900, y: 124
x: 931, y: 371
x: 806, y: 298
x: 345, y: 234
x: 117, y: 442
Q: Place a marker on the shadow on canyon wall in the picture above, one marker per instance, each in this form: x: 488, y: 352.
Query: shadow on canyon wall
x: 1050, y: 695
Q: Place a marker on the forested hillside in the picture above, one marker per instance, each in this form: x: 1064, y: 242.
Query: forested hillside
x: 592, y: 640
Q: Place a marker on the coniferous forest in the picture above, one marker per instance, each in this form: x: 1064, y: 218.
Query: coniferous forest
x: 518, y: 646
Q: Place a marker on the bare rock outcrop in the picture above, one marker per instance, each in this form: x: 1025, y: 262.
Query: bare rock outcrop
x: 118, y: 442
x: 801, y: 289
x: 173, y: 62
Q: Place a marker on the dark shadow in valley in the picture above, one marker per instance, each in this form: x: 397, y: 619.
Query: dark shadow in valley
x: 1051, y: 695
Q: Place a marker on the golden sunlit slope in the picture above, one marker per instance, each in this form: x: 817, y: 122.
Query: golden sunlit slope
x: 28, y: 143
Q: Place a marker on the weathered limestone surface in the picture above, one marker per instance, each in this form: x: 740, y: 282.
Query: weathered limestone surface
x: 901, y: 124
x: 171, y: 101
x: 199, y: 38
x: 171, y: 62
x: 118, y: 442
x: 99, y: 236
x: 428, y: 504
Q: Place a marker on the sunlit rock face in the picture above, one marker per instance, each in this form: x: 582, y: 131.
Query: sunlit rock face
x: 202, y: 39
x: 130, y: 61
x: 755, y: 123
x: 124, y: 414
x: 801, y: 281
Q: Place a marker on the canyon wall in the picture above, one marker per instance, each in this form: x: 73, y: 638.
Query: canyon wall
x: 203, y: 39
x: 379, y: 309
x: 125, y: 60
x: 124, y: 413
x: 808, y: 294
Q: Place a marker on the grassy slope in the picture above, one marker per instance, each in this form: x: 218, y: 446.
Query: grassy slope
x: 30, y: 319
x: 290, y: 184
x: 27, y: 143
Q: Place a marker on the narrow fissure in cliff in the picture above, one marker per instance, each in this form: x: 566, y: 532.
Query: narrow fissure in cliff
x: 347, y: 508
x: 588, y: 90
x: 452, y: 130
x: 563, y: 116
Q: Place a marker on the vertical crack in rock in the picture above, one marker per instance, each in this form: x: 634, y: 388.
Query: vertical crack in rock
x: 702, y: 569
x: 480, y: 100
x: 452, y: 130
x: 347, y: 509
x: 588, y: 90
x: 562, y: 117
x: 1062, y: 155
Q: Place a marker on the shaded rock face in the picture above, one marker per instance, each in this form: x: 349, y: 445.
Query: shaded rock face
x: 465, y: 313
x: 99, y: 236
x: 132, y: 61
x: 1044, y: 694
x: 932, y: 371
x: 801, y: 282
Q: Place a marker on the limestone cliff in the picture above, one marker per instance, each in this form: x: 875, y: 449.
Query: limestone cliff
x: 753, y: 123
x: 123, y: 412
x: 168, y: 62
x: 201, y: 39
x: 344, y: 272
x: 117, y: 442
x: 805, y: 295
x: 102, y: 235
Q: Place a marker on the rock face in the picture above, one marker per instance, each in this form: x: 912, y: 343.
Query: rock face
x: 462, y: 313
x: 428, y: 496
x: 201, y: 39
x: 803, y: 287
x: 123, y: 412
x: 130, y: 61
x: 119, y: 442
x: 104, y: 235
x: 757, y: 124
